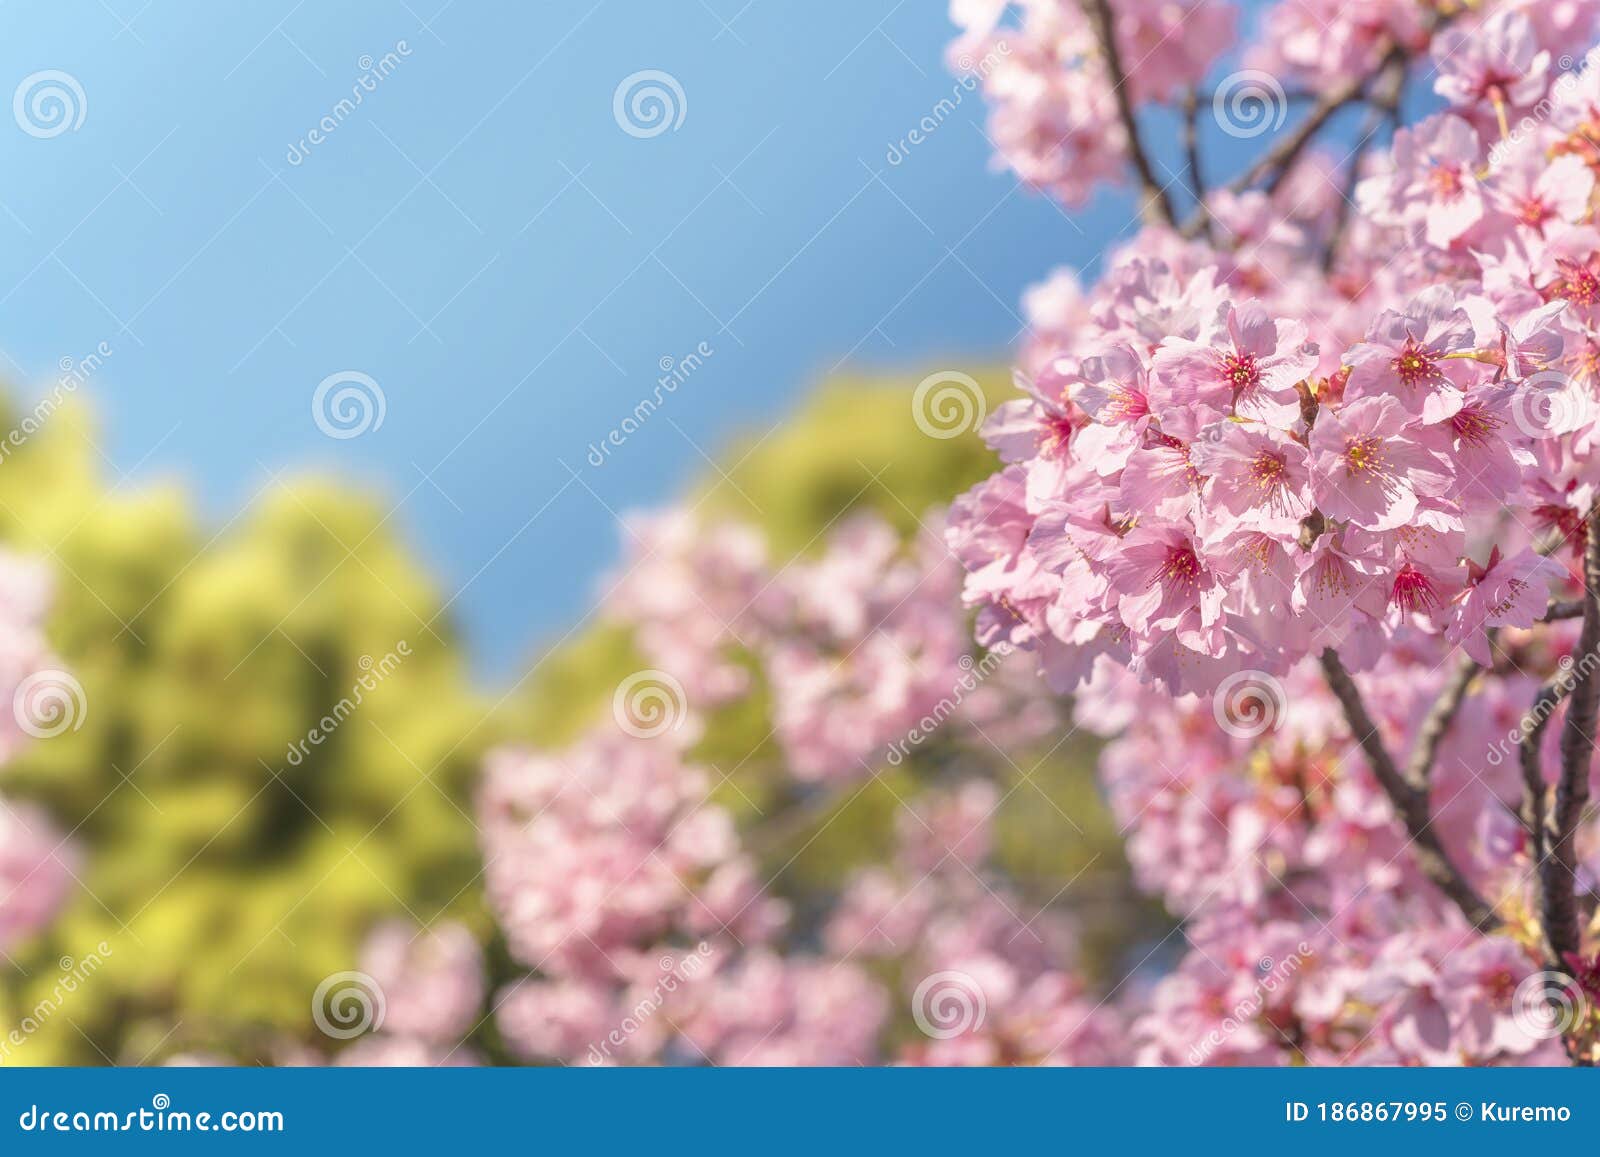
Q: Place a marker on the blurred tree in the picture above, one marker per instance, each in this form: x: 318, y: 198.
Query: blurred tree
x: 229, y: 870
x: 853, y: 446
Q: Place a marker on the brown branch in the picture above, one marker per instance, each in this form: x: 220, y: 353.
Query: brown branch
x: 1157, y: 206
x: 1283, y: 156
x: 1436, y: 725
x: 1385, y: 107
x: 1277, y: 162
x: 1411, y: 805
x: 1191, y: 152
x: 1557, y: 874
x: 1533, y: 788
x: 1564, y: 609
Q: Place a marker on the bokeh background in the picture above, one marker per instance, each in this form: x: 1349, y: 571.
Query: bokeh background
x: 483, y: 240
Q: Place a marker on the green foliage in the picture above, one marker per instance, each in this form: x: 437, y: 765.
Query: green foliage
x: 854, y: 446
x: 226, y: 871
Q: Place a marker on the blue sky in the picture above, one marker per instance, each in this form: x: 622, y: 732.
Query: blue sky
x: 482, y: 239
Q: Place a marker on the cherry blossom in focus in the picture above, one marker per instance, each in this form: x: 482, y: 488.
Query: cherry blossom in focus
x: 1288, y: 502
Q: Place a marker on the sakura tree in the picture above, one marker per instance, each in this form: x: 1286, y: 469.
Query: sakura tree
x: 1300, y: 503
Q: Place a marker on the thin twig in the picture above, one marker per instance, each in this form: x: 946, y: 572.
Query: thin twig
x: 1157, y: 206
x: 1277, y: 162
x: 1564, y: 609
x: 1385, y: 107
x: 1411, y: 805
x: 1558, y: 871
x: 1436, y: 725
x: 1191, y: 152
x: 1533, y: 787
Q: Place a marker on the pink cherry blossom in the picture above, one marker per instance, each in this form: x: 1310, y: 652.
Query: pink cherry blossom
x: 432, y: 979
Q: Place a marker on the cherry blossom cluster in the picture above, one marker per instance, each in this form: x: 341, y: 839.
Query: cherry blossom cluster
x: 432, y: 985
x: 1054, y: 116
x: 989, y: 979
x: 1313, y: 935
x: 650, y: 954
x: 639, y: 912
x: 36, y: 873
x: 699, y: 973
x: 36, y: 861
x: 416, y: 999
x: 1297, y: 502
x: 1342, y: 419
x: 1231, y: 460
x: 859, y: 647
x: 627, y: 893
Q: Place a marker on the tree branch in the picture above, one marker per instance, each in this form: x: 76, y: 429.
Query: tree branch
x: 1411, y: 805
x: 1157, y: 206
x: 1564, y: 609
x: 1436, y: 725
x: 1280, y: 160
x: 1385, y: 106
x: 1533, y: 789
x: 1557, y: 872
x: 1275, y: 164
x: 1191, y: 152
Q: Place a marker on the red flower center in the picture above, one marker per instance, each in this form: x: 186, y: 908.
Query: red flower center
x: 1579, y: 283
x: 1055, y: 433
x: 1268, y: 470
x: 1500, y: 986
x: 1474, y: 426
x: 1534, y: 213
x: 1181, y: 568
x: 1413, y: 591
x: 1414, y: 365
x: 1240, y: 371
x: 1126, y: 405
